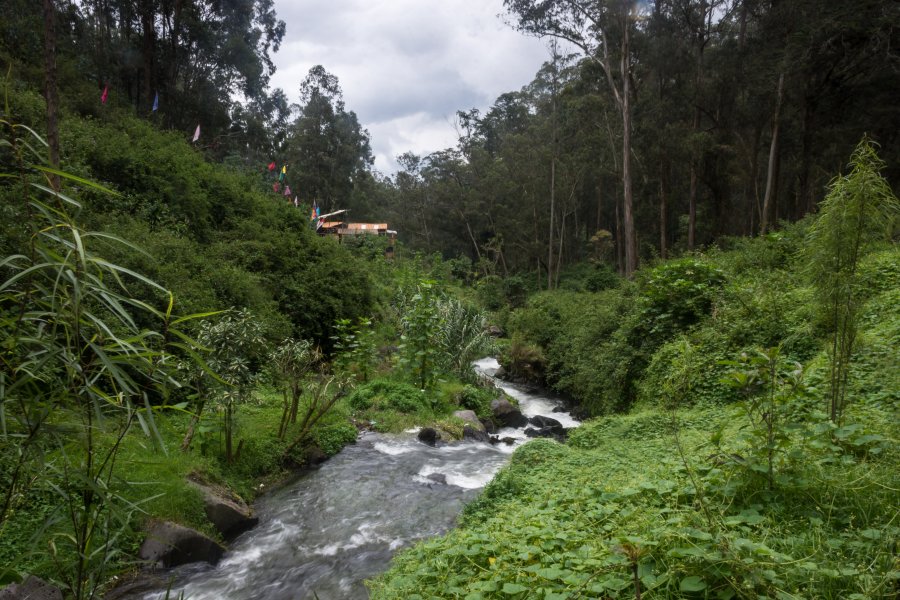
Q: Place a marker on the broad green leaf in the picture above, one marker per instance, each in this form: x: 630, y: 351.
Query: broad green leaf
x: 692, y: 583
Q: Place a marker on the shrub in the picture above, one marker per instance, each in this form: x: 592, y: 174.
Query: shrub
x: 677, y: 294
x: 477, y: 399
x: 331, y: 438
x: 384, y: 394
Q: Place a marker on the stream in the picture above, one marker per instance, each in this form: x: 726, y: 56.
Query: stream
x: 331, y: 529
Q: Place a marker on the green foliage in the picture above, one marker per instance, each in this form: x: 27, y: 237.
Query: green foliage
x: 354, y: 347
x: 236, y: 350
x: 290, y: 362
x: 384, y: 394
x: 419, y: 353
x: 462, y: 336
x: 677, y: 294
x: 331, y: 438
x: 614, y: 512
x: 859, y: 211
x: 477, y: 399
x: 769, y: 384
x: 79, y: 369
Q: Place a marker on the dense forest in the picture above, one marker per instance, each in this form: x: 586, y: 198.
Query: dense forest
x: 685, y: 226
x: 653, y: 127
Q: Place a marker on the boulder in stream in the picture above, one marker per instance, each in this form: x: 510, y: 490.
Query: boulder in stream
x: 169, y: 545
x: 32, y: 588
x: 507, y: 414
x: 230, y: 515
x: 470, y: 418
x: 437, y: 478
x: 429, y: 436
x: 476, y: 435
x: 542, y: 422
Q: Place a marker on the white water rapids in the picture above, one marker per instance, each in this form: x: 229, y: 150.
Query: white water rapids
x: 332, y: 528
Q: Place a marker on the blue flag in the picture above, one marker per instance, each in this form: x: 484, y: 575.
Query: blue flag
x: 156, y: 102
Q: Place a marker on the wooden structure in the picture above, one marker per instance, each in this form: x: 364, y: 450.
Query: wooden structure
x: 339, y: 228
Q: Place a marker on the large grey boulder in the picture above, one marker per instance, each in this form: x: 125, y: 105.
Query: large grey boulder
x: 31, y: 589
x: 470, y: 418
x: 169, y: 545
x: 229, y: 514
x: 507, y: 414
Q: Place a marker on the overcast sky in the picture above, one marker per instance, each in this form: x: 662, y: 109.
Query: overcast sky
x: 406, y: 66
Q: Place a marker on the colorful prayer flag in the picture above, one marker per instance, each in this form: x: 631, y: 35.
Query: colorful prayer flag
x: 276, y: 187
x: 272, y: 166
x: 296, y: 201
x: 155, y: 103
x: 105, y: 94
x: 283, y: 173
x: 196, y: 133
x: 287, y: 190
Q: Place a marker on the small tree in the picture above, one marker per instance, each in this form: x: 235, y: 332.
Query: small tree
x: 768, y: 383
x: 235, y: 344
x: 291, y: 361
x: 859, y: 211
x: 354, y: 346
x: 419, y: 350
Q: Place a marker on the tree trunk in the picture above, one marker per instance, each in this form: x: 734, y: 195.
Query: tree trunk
x: 50, y: 85
x: 695, y: 128
x: 148, y: 48
x: 620, y: 246
x: 768, y: 201
x: 552, y: 208
x: 663, y: 210
x: 631, y: 256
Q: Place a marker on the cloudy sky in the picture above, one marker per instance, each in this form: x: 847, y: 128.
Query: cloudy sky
x: 406, y: 66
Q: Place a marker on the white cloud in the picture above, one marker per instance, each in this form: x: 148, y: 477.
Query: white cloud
x: 406, y: 66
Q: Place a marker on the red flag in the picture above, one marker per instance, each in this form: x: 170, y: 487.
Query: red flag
x: 105, y: 94
x: 276, y: 187
x: 271, y: 166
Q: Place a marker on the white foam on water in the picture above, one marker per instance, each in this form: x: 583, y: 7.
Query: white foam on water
x: 393, y: 448
x: 473, y: 481
x: 488, y: 365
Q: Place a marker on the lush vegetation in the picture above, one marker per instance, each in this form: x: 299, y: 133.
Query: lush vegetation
x: 167, y: 318
x: 735, y: 473
x: 180, y: 324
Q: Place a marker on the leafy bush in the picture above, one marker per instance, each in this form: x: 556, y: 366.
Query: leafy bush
x: 477, y: 399
x: 490, y: 292
x: 677, y: 294
x: 385, y: 394
x: 331, y: 438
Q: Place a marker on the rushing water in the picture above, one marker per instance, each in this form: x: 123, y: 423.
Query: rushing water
x: 333, y: 528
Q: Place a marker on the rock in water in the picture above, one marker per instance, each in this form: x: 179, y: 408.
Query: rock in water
x: 438, y: 478
x: 507, y: 414
x: 429, y: 436
x: 542, y: 422
x: 469, y: 417
x: 31, y: 589
x: 230, y: 515
x: 170, y: 545
x: 476, y: 435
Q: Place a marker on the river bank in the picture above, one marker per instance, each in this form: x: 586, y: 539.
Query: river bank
x: 329, y: 530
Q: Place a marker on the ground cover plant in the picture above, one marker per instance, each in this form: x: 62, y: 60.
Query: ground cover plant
x: 618, y: 513
x: 758, y: 457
